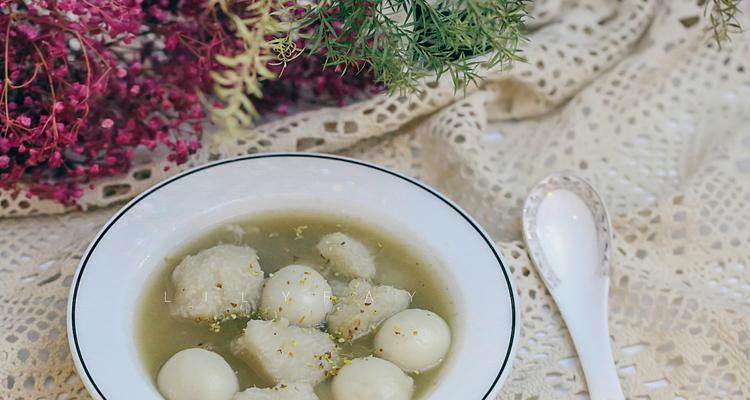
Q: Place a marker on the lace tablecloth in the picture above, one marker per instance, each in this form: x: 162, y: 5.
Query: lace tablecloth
x: 631, y: 95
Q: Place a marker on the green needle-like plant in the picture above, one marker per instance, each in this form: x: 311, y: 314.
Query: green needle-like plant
x: 401, y: 41
x: 723, y: 17
x: 406, y: 40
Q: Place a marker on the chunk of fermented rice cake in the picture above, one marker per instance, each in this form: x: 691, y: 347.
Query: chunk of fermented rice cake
x: 360, y: 307
x: 217, y: 283
x: 348, y: 257
x: 286, y: 353
x: 282, y: 391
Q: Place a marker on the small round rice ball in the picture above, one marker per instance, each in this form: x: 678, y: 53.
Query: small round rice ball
x: 372, y: 378
x: 197, y: 374
x: 297, y: 293
x: 415, y: 340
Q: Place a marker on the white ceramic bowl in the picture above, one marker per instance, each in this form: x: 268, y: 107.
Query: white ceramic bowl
x: 116, y: 266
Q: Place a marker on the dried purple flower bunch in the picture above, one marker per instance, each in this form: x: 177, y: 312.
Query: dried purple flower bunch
x: 87, y: 82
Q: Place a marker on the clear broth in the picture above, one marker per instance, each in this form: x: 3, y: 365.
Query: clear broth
x: 280, y: 242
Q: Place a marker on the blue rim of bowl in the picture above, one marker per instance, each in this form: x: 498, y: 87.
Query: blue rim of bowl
x: 74, y: 292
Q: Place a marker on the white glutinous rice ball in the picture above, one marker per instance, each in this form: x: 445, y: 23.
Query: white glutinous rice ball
x: 286, y: 353
x: 360, y: 307
x: 282, y: 391
x: 297, y: 293
x: 219, y: 283
x: 372, y: 378
x: 348, y: 257
x: 197, y: 374
x: 414, y: 339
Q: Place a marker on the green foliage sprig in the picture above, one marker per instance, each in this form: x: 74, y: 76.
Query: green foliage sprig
x: 722, y: 14
x: 406, y: 40
x: 401, y: 41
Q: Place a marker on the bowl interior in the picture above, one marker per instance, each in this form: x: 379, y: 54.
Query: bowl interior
x: 131, y: 246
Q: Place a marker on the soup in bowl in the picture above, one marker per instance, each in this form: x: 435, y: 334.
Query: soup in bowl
x: 292, y: 276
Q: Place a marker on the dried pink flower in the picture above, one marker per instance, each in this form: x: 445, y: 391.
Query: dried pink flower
x: 87, y: 82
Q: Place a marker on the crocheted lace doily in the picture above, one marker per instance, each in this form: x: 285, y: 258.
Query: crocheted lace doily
x: 630, y: 95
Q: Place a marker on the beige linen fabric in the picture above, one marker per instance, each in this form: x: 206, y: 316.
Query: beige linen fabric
x: 630, y: 95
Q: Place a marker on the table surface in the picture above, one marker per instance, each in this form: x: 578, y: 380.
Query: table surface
x: 626, y: 95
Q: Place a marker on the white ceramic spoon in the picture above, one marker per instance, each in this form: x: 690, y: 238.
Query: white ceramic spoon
x: 567, y: 232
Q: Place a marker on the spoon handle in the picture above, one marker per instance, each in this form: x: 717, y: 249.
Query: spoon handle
x: 590, y: 334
